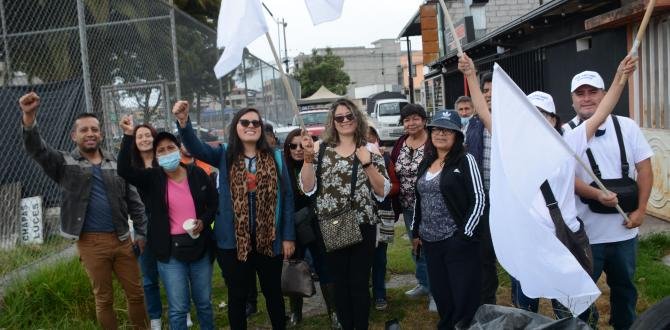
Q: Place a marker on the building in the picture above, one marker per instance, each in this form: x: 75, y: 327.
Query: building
x: 371, y: 69
x: 544, y: 48
x: 416, y: 73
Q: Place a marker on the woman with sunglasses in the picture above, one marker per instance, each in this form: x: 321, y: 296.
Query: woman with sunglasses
x: 449, y: 202
x: 303, y: 205
x: 175, y: 195
x: 408, y: 151
x: 255, y: 226
x: 344, y: 149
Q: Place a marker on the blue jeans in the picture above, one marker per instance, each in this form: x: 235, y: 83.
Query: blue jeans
x: 379, y: 272
x: 152, y: 292
x: 421, y: 272
x: 617, y: 260
x: 181, y: 277
x: 521, y: 301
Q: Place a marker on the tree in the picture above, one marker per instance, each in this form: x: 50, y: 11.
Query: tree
x: 323, y: 70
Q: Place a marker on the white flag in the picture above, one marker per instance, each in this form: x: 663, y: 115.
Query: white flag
x: 324, y: 10
x: 240, y: 23
x: 525, y: 151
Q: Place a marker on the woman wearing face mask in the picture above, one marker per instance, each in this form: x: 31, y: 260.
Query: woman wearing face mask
x: 346, y: 162
x: 407, y: 153
x: 294, y: 155
x: 177, y: 195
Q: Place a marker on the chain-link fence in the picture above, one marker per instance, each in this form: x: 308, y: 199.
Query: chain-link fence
x: 112, y: 58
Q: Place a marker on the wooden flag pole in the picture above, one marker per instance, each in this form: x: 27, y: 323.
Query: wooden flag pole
x: 285, y: 82
x: 640, y: 34
x: 451, y: 28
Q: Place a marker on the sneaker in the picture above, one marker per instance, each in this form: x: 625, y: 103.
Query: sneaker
x: 381, y: 304
x: 156, y: 324
x: 432, y: 307
x: 189, y: 323
x: 418, y: 291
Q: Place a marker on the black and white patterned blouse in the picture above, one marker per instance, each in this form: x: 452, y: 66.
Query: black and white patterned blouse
x: 406, y: 168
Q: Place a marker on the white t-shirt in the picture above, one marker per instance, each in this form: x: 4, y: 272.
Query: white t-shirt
x: 607, y: 228
x: 562, y: 183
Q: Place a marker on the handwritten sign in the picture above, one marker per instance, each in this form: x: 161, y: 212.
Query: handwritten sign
x: 31, y: 220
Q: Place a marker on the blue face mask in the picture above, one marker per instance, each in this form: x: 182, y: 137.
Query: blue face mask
x: 465, y: 120
x: 169, y: 162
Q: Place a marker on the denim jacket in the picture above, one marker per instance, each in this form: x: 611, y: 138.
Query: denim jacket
x: 74, y: 174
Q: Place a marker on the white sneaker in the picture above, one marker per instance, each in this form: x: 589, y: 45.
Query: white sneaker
x: 156, y: 324
x: 418, y: 291
x: 189, y: 323
x: 432, y: 307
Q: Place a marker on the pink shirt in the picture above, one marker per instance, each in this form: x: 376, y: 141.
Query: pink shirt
x: 180, y: 205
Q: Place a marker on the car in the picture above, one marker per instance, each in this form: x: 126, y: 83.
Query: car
x: 386, y: 118
x: 315, y: 121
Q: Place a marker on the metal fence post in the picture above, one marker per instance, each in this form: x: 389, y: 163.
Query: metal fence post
x: 83, y: 46
x: 8, y: 62
x: 175, y: 55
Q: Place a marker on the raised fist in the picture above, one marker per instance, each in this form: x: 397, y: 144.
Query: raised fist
x: 180, y: 111
x: 29, y: 104
x: 127, y: 124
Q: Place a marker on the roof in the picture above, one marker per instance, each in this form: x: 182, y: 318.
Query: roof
x: 413, y: 27
x: 322, y: 95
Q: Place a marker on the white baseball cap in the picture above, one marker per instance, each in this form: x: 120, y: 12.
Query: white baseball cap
x: 542, y: 100
x: 590, y: 78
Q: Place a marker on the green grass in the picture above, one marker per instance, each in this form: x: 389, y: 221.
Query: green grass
x: 25, y: 254
x: 59, y: 296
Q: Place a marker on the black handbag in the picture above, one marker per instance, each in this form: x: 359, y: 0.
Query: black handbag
x: 186, y: 249
x: 576, y: 242
x: 625, y: 187
x: 296, y: 279
x: 304, y: 230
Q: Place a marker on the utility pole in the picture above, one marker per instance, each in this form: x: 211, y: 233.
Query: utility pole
x: 284, y: 24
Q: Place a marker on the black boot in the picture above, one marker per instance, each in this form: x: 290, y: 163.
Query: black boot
x: 296, y: 310
x: 328, y: 291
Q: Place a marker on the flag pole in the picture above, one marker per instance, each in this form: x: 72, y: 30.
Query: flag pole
x: 285, y: 82
x: 640, y: 35
x: 451, y: 28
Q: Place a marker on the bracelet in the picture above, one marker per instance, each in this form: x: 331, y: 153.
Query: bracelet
x: 367, y: 165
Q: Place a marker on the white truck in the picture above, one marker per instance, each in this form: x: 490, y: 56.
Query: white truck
x: 386, y: 118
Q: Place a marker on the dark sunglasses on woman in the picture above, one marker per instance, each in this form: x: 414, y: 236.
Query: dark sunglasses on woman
x: 348, y: 117
x: 294, y: 146
x: 254, y: 123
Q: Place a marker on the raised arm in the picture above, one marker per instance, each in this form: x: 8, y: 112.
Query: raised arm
x: 136, y: 176
x: 198, y: 149
x: 51, y: 160
x: 467, y: 67
x: 611, y: 98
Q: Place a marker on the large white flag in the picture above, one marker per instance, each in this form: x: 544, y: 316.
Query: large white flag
x: 525, y: 151
x: 324, y: 10
x: 240, y: 23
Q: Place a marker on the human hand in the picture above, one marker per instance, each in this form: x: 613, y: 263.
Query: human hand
x: 466, y: 66
x: 363, y: 155
x: 635, y: 219
x: 126, y: 124
x: 199, y: 226
x: 141, y: 244
x: 607, y: 198
x: 29, y: 104
x: 307, y: 146
x: 288, y: 247
x: 415, y: 245
x: 180, y: 111
x: 627, y: 65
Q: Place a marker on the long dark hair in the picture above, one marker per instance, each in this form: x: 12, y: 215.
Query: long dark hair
x: 235, y: 146
x: 291, y: 163
x: 454, y: 155
x: 136, y: 159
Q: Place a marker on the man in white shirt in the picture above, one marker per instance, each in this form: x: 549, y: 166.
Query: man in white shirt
x: 613, y: 240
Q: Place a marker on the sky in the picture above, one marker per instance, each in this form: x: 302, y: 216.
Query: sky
x: 361, y: 23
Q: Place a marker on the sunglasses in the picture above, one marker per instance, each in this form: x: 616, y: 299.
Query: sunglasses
x: 254, y: 123
x: 342, y: 118
x: 294, y: 146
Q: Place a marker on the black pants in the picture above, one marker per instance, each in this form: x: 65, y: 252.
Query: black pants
x: 454, y: 273
x: 350, y: 268
x: 238, y: 275
x: 488, y: 262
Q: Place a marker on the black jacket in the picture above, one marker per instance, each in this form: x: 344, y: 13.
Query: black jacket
x: 153, y: 183
x: 463, y: 193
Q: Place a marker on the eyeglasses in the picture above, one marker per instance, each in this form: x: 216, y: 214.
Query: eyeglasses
x: 442, y: 131
x: 294, y: 146
x: 254, y: 123
x: 342, y: 118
